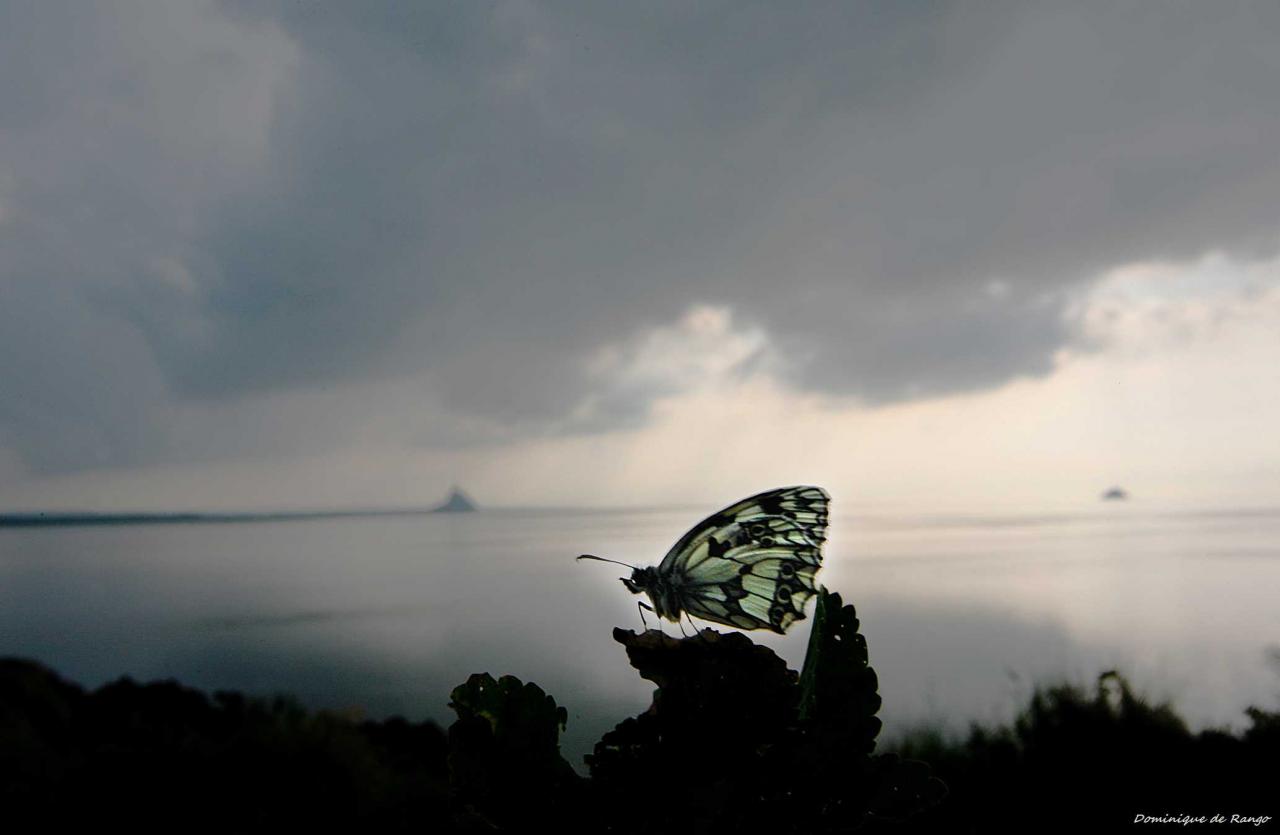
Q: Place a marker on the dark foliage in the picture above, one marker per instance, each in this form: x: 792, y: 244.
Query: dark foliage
x: 162, y: 757
x: 504, y: 756
x: 1091, y: 761
x: 733, y: 742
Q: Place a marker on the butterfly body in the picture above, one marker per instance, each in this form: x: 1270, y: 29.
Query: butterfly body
x: 663, y: 594
x: 751, y: 565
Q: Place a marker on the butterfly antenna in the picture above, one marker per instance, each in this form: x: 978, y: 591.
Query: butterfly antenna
x: 602, y: 559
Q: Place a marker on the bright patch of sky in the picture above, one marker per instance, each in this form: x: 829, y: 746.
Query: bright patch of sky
x: 1171, y: 392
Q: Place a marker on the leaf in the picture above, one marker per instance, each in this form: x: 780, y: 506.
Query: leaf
x: 838, y: 688
x: 520, y: 715
x: 504, y: 751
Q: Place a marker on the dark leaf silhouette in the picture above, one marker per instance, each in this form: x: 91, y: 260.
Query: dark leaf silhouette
x: 504, y: 753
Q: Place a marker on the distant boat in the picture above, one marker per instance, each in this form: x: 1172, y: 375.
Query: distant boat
x: 1115, y: 494
x: 458, y: 502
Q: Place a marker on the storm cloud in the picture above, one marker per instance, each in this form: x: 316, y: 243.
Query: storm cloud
x: 471, y: 204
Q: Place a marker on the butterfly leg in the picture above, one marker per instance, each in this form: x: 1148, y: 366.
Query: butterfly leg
x: 694, y: 626
x: 641, y: 605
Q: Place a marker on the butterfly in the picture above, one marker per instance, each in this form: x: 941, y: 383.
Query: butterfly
x: 750, y: 565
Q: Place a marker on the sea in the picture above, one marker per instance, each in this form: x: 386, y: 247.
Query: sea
x: 965, y: 613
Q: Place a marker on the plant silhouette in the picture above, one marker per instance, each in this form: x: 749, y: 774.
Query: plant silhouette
x: 733, y: 741
x: 756, y: 745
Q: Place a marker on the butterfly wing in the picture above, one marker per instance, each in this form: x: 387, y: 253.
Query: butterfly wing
x: 804, y: 507
x: 752, y: 565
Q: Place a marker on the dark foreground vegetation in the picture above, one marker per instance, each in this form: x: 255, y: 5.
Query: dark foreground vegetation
x: 733, y: 742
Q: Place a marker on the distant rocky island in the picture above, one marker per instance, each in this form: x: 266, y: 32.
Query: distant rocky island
x: 1115, y: 494
x: 458, y: 502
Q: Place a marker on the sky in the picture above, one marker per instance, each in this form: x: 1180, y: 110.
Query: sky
x: 266, y: 255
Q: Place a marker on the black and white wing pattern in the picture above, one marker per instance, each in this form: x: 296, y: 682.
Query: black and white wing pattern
x: 751, y: 565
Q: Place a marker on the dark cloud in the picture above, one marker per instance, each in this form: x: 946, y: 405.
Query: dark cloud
x: 250, y: 198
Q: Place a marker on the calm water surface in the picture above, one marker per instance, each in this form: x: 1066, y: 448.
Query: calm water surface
x: 962, y: 613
